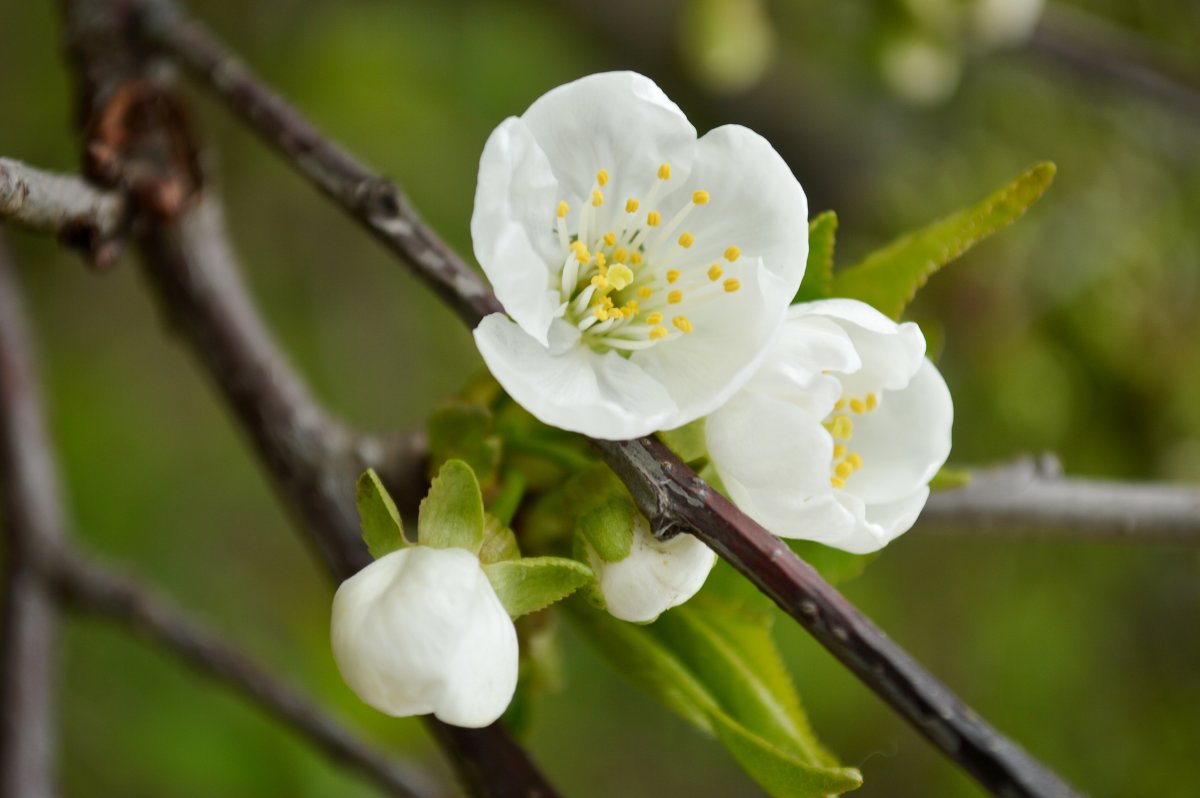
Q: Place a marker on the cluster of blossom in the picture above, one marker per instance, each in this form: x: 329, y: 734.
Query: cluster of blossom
x: 648, y: 275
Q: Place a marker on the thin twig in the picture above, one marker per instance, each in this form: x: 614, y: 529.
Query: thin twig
x: 1032, y: 498
x: 669, y: 493
x: 33, y: 525
x: 93, y: 588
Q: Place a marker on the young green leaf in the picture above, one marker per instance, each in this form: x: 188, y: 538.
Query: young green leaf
x: 608, y: 527
x: 461, y: 430
x: 533, y: 583
x: 818, y: 273
x: 378, y: 518
x: 499, y: 542
x: 452, y: 514
x: 890, y: 277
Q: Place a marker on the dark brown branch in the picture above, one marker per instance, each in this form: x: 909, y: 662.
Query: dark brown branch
x: 670, y: 494
x: 33, y: 528
x: 93, y: 588
x: 311, y: 457
x: 1032, y: 498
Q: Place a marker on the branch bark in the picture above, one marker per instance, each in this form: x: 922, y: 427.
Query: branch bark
x: 668, y: 492
x: 34, y: 526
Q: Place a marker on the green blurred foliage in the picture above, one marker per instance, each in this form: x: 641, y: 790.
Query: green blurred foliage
x: 1076, y: 330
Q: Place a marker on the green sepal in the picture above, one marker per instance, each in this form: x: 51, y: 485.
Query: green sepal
x: 890, y: 277
x: 451, y: 516
x: 687, y: 441
x: 949, y: 479
x: 608, y: 527
x: 382, y: 529
x: 818, y: 272
x: 463, y: 431
x: 533, y: 583
x: 499, y: 542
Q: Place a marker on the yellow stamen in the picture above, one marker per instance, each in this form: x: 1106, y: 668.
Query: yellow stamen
x: 700, y: 197
x: 837, y: 482
x: 654, y: 318
x: 645, y: 292
x: 620, y: 276
x: 732, y: 254
x: 715, y: 272
x: 686, y: 240
x: 839, y: 451
x: 674, y: 298
x: 843, y: 428
x: 840, y: 404
x: 597, y: 198
x: 855, y: 460
x: 620, y: 255
x: 601, y: 314
x: 563, y: 209
x: 654, y: 218
x: 672, y: 275
x: 844, y: 470
x: 731, y: 285
x: 635, y: 258
x: 601, y: 261
x: 600, y: 281
x: 602, y: 177
x: 658, y: 332
x: 858, y: 406
x: 682, y: 323
x: 664, y: 172
x: 872, y: 401
x: 631, y: 205
x: 610, y: 238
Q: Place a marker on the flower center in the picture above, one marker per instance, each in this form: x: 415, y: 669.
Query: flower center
x: 840, y: 425
x: 628, y: 281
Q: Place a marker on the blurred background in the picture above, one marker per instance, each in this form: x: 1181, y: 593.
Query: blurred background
x: 1075, y: 331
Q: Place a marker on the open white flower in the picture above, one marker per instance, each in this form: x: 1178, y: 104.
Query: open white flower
x: 644, y: 269
x: 421, y: 630
x: 656, y: 576
x: 835, y: 439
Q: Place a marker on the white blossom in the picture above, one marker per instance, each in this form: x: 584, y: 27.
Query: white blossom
x: 835, y: 439
x: 421, y: 630
x: 643, y: 270
x: 656, y: 576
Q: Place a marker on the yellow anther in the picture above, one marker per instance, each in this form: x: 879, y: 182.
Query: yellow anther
x: 620, y: 276
x: 597, y: 198
x: 674, y: 298
x: 635, y: 258
x: 654, y: 218
x: 654, y: 318
x: 682, y: 323
x: 686, y: 240
x: 672, y: 275
x: 645, y: 292
x: 664, y: 172
x: 610, y: 238
x: 628, y: 312
x: 700, y: 197
x: 855, y: 460
x: 563, y: 209
x: 844, y: 470
x: 837, y: 482
x: 602, y: 177
x: 840, y: 404
x: 872, y: 401
x: 658, y: 332
x: 732, y: 254
x: 601, y: 261
x: 600, y: 281
x: 839, y: 451
x: 731, y: 285
x: 843, y: 428
x: 858, y: 406
x: 620, y: 255
x: 633, y: 305
x: 715, y: 272
x: 601, y: 314
x: 607, y: 302
x: 631, y: 205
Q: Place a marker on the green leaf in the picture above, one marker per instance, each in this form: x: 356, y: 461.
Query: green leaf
x: 463, y: 431
x: 533, y: 583
x: 687, y: 441
x: 379, y: 520
x: 890, y: 277
x: 835, y: 565
x: 608, y: 528
x: 452, y: 514
x: 949, y: 479
x: 818, y: 273
x: 499, y: 542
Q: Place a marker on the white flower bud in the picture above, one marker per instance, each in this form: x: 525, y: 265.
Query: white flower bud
x: 656, y: 575
x: 421, y: 630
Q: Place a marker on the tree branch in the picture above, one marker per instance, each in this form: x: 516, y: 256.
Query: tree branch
x: 1031, y: 498
x: 34, y: 525
x: 93, y: 588
x: 668, y: 492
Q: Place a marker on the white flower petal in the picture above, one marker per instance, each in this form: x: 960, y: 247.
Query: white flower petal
x: 511, y: 228
x: 617, y: 121
x: 571, y: 387
x: 421, y: 630
x: 806, y: 347
x: 773, y: 458
x: 656, y: 575
x: 905, y: 440
x: 890, y: 352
